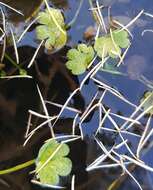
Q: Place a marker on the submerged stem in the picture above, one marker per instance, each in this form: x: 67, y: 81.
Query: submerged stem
x: 12, y: 61
x: 18, y: 167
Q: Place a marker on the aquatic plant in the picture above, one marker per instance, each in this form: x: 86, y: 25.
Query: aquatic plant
x: 79, y: 59
x: 51, y: 29
x: 111, y: 44
x: 104, y: 53
x: 52, y: 162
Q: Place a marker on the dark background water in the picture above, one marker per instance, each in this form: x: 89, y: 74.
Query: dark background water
x: 17, y: 96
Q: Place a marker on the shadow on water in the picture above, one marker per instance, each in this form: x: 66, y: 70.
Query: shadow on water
x: 17, y: 96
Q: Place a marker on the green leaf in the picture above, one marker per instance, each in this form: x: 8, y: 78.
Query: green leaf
x: 46, y: 18
x: 43, y: 18
x: 121, y: 38
x: 148, y: 102
x: 48, y: 175
x: 58, y: 165
x: 77, y: 66
x: 60, y: 41
x: 43, y: 32
x: 62, y: 166
x: 72, y: 54
x: 88, y: 51
x: 52, y: 29
x: 105, y: 46
x: 79, y: 59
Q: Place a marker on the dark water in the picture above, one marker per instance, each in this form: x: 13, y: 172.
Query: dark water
x: 17, y: 96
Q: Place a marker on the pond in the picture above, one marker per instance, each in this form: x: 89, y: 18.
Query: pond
x: 115, y: 92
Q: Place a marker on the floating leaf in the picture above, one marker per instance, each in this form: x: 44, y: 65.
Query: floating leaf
x: 148, y: 102
x: 46, y: 17
x: 106, y: 46
x: 58, y: 165
x: 51, y: 29
x: 121, y: 38
x: 79, y: 59
x: 43, y: 32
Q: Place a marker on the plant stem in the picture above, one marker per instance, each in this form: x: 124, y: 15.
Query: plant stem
x: 18, y: 167
x: 12, y: 61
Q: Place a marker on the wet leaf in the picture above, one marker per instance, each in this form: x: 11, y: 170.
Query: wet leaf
x: 79, y: 59
x: 59, y: 164
x: 46, y: 18
x: 105, y: 46
x: 51, y: 29
x: 121, y: 38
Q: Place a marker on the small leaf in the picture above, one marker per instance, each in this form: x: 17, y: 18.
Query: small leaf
x: 78, y: 66
x: 59, y: 164
x: 43, y: 18
x: 48, y: 175
x: 78, y: 59
x: 62, y: 166
x: 86, y: 50
x: 121, y: 38
x: 104, y: 46
x: 43, y: 32
x: 72, y: 54
x: 49, y: 30
x: 46, y: 18
x: 60, y: 41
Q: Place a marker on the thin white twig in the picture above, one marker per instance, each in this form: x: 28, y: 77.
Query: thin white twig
x: 15, y: 10
x: 35, y: 54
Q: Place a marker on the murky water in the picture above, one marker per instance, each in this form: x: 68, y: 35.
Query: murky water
x: 17, y: 96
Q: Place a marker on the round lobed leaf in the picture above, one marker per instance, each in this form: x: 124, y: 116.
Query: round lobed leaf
x: 52, y: 29
x: 58, y: 164
x: 78, y: 59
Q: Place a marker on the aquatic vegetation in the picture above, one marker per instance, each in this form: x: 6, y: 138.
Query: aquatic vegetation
x: 102, y: 50
x: 52, y: 162
x: 51, y: 29
x: 112, y: 44
x: 78, y: 59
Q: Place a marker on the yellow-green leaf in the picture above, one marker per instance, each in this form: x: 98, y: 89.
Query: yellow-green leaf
x: 58, y: 164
